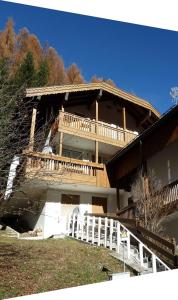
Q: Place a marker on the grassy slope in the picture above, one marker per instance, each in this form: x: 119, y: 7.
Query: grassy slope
x: 28, y: 267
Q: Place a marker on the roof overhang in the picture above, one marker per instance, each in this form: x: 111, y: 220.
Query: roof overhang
x: 152, y: 140
x: 89, y: 87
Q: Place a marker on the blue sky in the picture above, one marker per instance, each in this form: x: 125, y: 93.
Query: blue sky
x: 139, y: 59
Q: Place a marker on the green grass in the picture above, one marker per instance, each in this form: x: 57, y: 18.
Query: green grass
x: 28, y: 267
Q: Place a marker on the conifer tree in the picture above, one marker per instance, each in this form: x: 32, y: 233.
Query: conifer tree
x: 42, y: 74
x: 26, y: 73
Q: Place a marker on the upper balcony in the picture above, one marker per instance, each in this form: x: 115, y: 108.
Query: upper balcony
x: 93, y: 130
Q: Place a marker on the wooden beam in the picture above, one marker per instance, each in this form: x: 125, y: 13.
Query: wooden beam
x: 123, y: 118
x: 61, y: 133
x: 96, y: 142
x: 61, y: 143
x: 147, y: 117
x: 96, y: 152
x: 32, y: 129
x: 124, y: 121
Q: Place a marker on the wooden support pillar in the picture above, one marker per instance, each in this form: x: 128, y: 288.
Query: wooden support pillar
x: 61, y: 133
x: 124, y: 121
x: 96, y: 142
x: 96, y: 152
x: 96, y: 110
x: 32, y: 129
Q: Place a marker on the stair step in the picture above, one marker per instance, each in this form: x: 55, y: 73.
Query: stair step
x: 10, y: 232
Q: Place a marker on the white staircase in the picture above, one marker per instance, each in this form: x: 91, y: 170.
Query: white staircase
x: 111, y: 234
x: 10, y: 232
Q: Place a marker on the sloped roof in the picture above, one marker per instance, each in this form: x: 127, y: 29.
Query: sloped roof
x: 52, y: 90
x: 167, y: 118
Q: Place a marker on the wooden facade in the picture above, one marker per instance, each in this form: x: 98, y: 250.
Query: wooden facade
x: 98, y: 114
x: 157, y: 141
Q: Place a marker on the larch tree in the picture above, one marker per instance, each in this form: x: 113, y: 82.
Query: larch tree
x: 55, y: 63
x: 96, y: 79
x: 7, y: 41
x: 74, y: 75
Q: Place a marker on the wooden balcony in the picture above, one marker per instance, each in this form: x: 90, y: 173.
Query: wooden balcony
x: 167, y: 198
x: 54, y: 168
x: 97, y: 131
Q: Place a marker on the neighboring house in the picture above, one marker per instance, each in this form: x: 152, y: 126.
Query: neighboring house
x: 89, y: 123
x: 155, y: 149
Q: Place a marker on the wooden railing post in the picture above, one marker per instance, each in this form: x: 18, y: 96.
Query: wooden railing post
x: 124, y: 122
x: 141, y: 254
x: 87, y: 230
x: 82, y: 227
x: 93, y: 229
x: 128, y: 244
x: 118, y: 237
x: 154, y: 268
x: 111, y: 234
x: 105, y: 231
x: 73, y: 225
x: 99, y: 231
x: 32, y: 129
x: 77, y: 229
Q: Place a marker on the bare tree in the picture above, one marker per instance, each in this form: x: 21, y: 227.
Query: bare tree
x: 15, y: 120
x: 151, y: 199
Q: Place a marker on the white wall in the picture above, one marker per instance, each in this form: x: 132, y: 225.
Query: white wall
x: 165, y: 163
x: 51, y: 219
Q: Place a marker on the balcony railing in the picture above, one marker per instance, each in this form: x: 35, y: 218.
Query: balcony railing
x: 51, y: 167
x: 95, y: 129
x: 170, y: 193
x: 167, y: 198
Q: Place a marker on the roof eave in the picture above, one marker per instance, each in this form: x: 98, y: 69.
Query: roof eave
x: 32, y: 92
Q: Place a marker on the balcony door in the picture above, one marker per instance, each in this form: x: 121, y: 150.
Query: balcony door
x: 99, y: 205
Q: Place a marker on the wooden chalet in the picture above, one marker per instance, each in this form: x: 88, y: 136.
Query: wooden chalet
x: 85, y: 126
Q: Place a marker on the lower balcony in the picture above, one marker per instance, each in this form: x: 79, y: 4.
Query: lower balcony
x: 50, y: 167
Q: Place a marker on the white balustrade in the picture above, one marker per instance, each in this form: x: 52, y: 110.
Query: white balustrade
x: 105, y: 231
x: 118, y: 238
x: 95, y: 230
x: 141, y: 254
x: 87, y: 230
x: 111, y: 234
x: 99, y: 231
x: 154, y: 263
x: 128, y: 244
